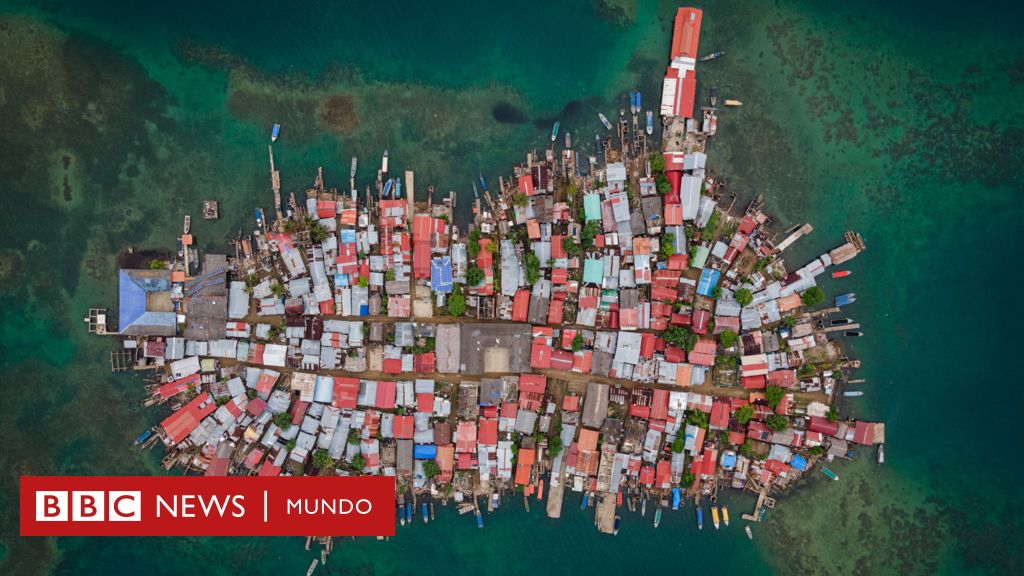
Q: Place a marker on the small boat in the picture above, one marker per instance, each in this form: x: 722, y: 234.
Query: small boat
x: 622, y: 104
x: 387, y: 188
x: 401, y: 515
x: 352, y: 169
x: 675, y: 498
x: 712, y: 124
x: 604, y: 120
x: 844, y: 299
x: 643, y: 507
x: 540, y: 490
x: 650, y: 122
x: 712, y: 56
x: 479, y: 519
x: 841, y: 274
x: 881, y: 453
x: 426, y: 513
x: 398, y: 188
x: 750, y: 534
x: 632, y: 102
x: 475, y: 193
x: 384, y: 162
x: 618, y: 498
x: 143, y: 437
x: 568, y: 140
x: 657, y: 517
x: 829, y: 473
x: 713, y: 93
x: 275, y: 132
x: 312, y: 567
x: 483, y: 183
x: 700, y: 517
x: 586, y: 498
x: 853, y: 394
x: 408, y: 511
x: 494, y: 500
x: 259, y: 218
x: 725, y: 516
x: 853, y: 333
x: 714, y: 515
x: 615, y: 530
x: 638, y: 108
x: 840, y: 321
x: 554, y: 131
x: 733, y: 103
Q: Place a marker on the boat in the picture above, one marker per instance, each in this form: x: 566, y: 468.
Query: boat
x: 750, y: 534
x: 844, y: 299
x: 853, y: 333
x: 408, y: 511
x: 618, y: 498
x: 713, y: 93
x: 643, y: 507
x: 714, y: 515
x: 475, y: 193
x: 881, y: 453
x: 650, y: 122
x: 554, y: 130
x: 540, y: 490
x: 713, y: 124
x: 853, y: 393
x: 622, y: 104
x: 275, y: 132
x: 604, y: 120
x: 143, y: 437
x: 312, y: 567
x: 733, y: 103
x: 675, y: 498
x: 638, y: 108
x: 725, y: 516
x: 401, y: 515
x: 712, y: 56
x: 568, y: 140
x: 479, y: 519
x: 387, y: 188
x: 657, y: 517
x: 352, y: 169
x: 483, y: 183
x: 840, y: 321
x: 841, y: 274
x: 426, y: 512
x: 829, y: 473
x: 700, y: 517
x: 586, y: 497
x: 384, y: 162
x: 615, y: 530
x: 259, y: 218
x: 632, y: 102
x: 398, y: 188
x: 494, y: 500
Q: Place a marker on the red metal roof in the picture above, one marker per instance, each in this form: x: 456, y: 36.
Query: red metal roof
x: 346, y: 390
x: 465, y: 437
x: 686, y: 33
x: 524, y: 463
x: 489, y: 432
x: 385, y: 394
x: 404, y: 427
x: 179, y: 425
x: 521, y: 306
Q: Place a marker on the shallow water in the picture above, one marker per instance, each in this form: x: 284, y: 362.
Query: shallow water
x: 900, y: 123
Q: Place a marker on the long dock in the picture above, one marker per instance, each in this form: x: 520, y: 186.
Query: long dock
x: 841, y: 328
x: 275, y: 182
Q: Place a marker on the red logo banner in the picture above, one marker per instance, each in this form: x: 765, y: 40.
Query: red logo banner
x: 207, y: 506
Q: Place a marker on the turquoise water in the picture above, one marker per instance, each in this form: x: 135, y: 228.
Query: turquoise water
x: 901, y: 123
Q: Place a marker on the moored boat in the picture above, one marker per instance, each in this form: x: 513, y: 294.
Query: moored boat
x: 604, y: 120
x: 853, y: 393
x: 643, y: 507
x: 714, y: 515
x: 844, y: 299
x: 408, y: 511
x: 840, y: 321
x: 401, y: 514
x: 622, y: 104
x: 426, y: 512
x: 352, y: 169
x: 483, y: 183
x: 700, y: 517
x: 312, y: 567
x: 733, y: 103
x: 853, y: 333
x: 712, y: 56
x: 387, y: 188
x: 615, y: 530
x: 638, y: 108
x: 540, y: 490
x: 657, y: 517
x: 479, y: 519
x: 384, y: 162
x: 725, y: 515
x: 841, y: 274
x: 554, y: 130
x: 750, y: 534
x: 586, y: 498
x: 618, y: 498
x: 829, y: 473
x: 675, y: 498
x: 475, y: 193
x: 143, y: 437
x: 568, y: 140
x: 881, y: 453
x: 259, y: 218
x: 650, y: 122
x: 275, y: 132
x: 713, y: 94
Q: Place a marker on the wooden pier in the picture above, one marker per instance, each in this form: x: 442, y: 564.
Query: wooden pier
x: 97, y: 321
x: 275, y: 182
x: 841, y: 328
x: 122, y: 360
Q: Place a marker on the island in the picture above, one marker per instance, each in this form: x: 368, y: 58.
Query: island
x: 609, y: 324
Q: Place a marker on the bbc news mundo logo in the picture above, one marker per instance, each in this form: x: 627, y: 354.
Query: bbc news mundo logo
x: 89, y: 506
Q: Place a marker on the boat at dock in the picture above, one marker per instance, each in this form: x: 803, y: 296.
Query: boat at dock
x: 733, y: 103
x: 483, y: 183
x: 638, y: 108
x: 700, y: 517
x: 650, y: 122
x: 408, y: 511
x: 554, y: 131
x: 844, y: 299
x: 713, y: 94
x: 881, y: 453
x: 622, y: 104
x: 401, y: 514
x: 352, y: 169
x: 586, y: 498
x: 387, y: 188
x: 829, y: 473
x: 568, y: 140
x: 712, y: 56
x: 841, y: 274
x: 676, y: 497
x: 853, y: 333
x: 143, y: 437
x: 604, y: 120
x: 714, y: 515
x: 618, y: 498
x: 398, y: 188
x: 657, y: 517
x: 840, y: 321
x: 643, y: 507
x: 494, y: 500
x: 853, y: 394
x: 426, y: 513
x: 476, y: 194
x: 312, y: 567
x: 275, y: 132
x: 725, y: 516
x: 615, y: 530
x: 259, y: 218
x: 632, y: 102
x: 479, y: 519
x: 384, y: 162
x: 750, y: 533
x: 540, y: 490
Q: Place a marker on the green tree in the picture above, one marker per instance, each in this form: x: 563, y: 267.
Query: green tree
x: 667, y: 247
x: 474, y: 276
x: 680, y: 337
x: 744, y: 413
x: 805, y: 370
x: 816, y: 450
x: 727, y: 338
x: 774, y: 394
x: 473, y: 249
x: 358, y: 463
x: 390, y: 274
x: 290, y: 445
x: 716, y: 292
x: 283, y: 421
x: 698, y: 418
x: 744, y: 297
x: 747, y: 449
x: 662, y: 184
x: 431, y: 469
x: 571, y: 247
x: 657, y: 162
x: 317, y: 233
x: 688, y: 478
x: 555, y: 446
x: 492, y: 246
x: 457, y: 303
x: 353, y: 436
x: 321, y: 460
x: 789, y: 321
x: 813, y: 296
x: 532, y: 268
x: 363, y: 281
x: 588, y: 233
x: 577, y: 343
x: 519, y: 199
x: 679, y: 444
x: 278, y: 290
x: 156, y: 264
x: 777, y: 422
x: 726, y: 361
x: 833, y: 414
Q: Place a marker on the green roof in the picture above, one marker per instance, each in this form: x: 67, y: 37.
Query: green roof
x: 701, y: 257
x: 593, y: 271
x: 592, y: 206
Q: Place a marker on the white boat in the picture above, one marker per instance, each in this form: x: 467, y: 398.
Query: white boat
x: 352, y: 170
x: 853, y: 393
x: 881, y: 453
x: 312, y: 567
x: 604, y: 120
x: 275, y: 132
x: 750, y: 534
x: 650, y: 122
x: 384, y: 163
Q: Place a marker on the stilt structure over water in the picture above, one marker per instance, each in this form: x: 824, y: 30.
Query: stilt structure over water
x: 275, y: 181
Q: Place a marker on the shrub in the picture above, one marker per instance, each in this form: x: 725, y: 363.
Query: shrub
x: 283, y: 421
x: 774, y: 394
x: 744, y: 413
x: 777, y: 422
x: 813, y: 296
x: 728, y: 338
x: 744, y: 297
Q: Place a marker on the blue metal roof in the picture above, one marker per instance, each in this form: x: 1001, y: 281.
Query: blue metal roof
x: 708, y: 281
x: 441, y: 274
x: 132, y: 289
x: 798, y: 462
